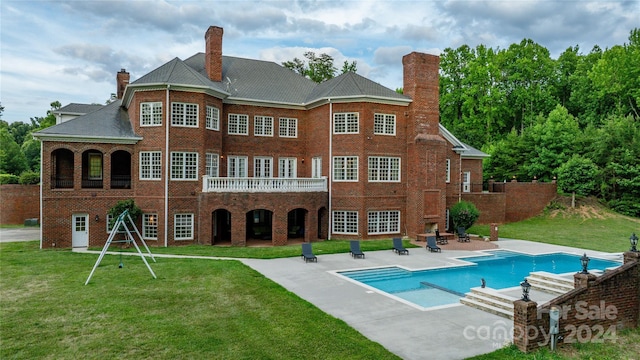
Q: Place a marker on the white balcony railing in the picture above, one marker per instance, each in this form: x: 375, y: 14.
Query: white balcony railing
x: 228, y: 184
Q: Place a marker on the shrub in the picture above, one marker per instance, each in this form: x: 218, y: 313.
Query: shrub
x: 464, y: 214
x: 29, y: 178
x: 121, y: 206
x: 9, y: 179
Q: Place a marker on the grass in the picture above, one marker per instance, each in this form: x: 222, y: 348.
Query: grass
x: 195, y: 309
x: 223, y: 309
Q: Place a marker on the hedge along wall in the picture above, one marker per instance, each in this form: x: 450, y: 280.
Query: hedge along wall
x: 19, y: 202
x: 594, y: 311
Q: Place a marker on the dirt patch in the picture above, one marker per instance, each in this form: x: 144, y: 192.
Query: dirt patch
x: 586, y: 208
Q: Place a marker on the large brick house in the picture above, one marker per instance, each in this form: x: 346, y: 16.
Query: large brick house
x: 224, y: 150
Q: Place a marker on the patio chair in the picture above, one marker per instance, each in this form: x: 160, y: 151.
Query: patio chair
x: 355, y: 249
x: 431, y: 244
x: 398, y: 247
x: 441, y: 239
x: 307, y: 253
x: 462, y: 235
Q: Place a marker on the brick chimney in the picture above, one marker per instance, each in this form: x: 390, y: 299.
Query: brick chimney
x: 213, y: 53
x: 421, y: 85
x: 122, y: 80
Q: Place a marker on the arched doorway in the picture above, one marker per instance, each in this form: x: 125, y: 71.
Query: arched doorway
x: 259, y: 224
x: 221, y: 227
x: 296, y: 219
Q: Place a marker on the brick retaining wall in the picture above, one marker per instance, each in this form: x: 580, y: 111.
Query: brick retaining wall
x: 19, y: 202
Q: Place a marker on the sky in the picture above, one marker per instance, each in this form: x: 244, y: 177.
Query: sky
x: 70, y: 51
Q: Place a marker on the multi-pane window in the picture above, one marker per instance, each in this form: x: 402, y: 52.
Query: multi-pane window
x: 213, y: 118
x: 183, y: 226
x: 184, y: 166
x: 150, y: 226
x: 384, y: 169
x: 316, y: 167
x: 237, y: 166
x: 150, y: 114
x: 384, y: 124
x: 345, y: 222
x: 211, y: 167
x: 345, y: 168
x: 95, y: 166
x: 184, y: 114
x: 383, y: 222
x: 448, y: 173
x: 238, y: 124
x: 262, y: 167
x: 288, y: 127
x: 110, y: 222
x: 263, y: 126
x: 287, y: 167
x: 345, y: 123
x: 150, y: 165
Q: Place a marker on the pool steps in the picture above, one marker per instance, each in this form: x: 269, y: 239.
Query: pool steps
x: 550, y: 283
x: 490, y: 300
x: 379, y: 274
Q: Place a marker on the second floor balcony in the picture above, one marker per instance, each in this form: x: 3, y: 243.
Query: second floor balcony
x: 253, y: 185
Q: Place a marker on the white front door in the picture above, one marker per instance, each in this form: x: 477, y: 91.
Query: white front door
x: 80, y: 236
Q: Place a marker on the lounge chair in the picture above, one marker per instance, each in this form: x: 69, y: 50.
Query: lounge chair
x: 440, y: 239
x: 462, y: 235
x: 307, y: 253
x: 431, y: 244
x: 398, y: 247
x: 355, y: 249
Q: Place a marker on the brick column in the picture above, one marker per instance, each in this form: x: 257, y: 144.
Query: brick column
x: 581, y: 280
x: 525, y: 325
x: 494, y: 232
x: 631, y: 256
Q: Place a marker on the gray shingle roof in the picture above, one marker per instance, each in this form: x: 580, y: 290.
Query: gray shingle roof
x: 110, y: 123
x: 78, y: 109
x: 351, y: 84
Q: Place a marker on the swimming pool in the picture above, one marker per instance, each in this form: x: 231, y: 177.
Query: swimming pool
x: 443, y: 286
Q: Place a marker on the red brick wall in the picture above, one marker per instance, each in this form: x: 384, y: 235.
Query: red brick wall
x: 525, y: 200
x: 596, y: 308
x: 19, y: 202
x: 492, y: 206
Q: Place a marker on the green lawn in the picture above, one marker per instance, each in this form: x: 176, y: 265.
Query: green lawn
x: 222, y: 309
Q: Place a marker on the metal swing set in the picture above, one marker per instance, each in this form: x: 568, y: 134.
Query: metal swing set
x: 120, y: 223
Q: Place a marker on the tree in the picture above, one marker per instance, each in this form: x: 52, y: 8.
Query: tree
x: 318, y: 68
x: 12, y: 160
x: 579, y: 175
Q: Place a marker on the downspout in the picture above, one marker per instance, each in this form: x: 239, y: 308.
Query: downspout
x: 330, y: 175
x: 166, y: 169
x: 460, y: 178
x: 41, y: 172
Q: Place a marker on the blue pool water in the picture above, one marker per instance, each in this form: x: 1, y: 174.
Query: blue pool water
x: 500, y: 269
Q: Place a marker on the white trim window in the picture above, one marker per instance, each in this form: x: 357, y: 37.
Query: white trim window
x: 237, y: 166
x: 184, y: 166
x: 150, y: 226
x: 212, y: 165
x: 151, y: 114
x: 384, y: 169
x: 184, y: 114
x: 446, y: 219
x: 213, y: 118
x: 183, y: 226
x: 262, y: 167
x: 238, y: 124
x: 345, y: 222
x: 150, y: 165
x: 262, y: 125
x: 287, y: 167
x: 346, y: 123
x: 384, y: 124
x: 288, y: 127
x: 109, y: 224
x: 345, y: 168
x: 448, y: 173
x: 316, y: 167
x: 383, y: 222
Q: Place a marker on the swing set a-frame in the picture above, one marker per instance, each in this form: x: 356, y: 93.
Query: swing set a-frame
x: 120, y: 226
